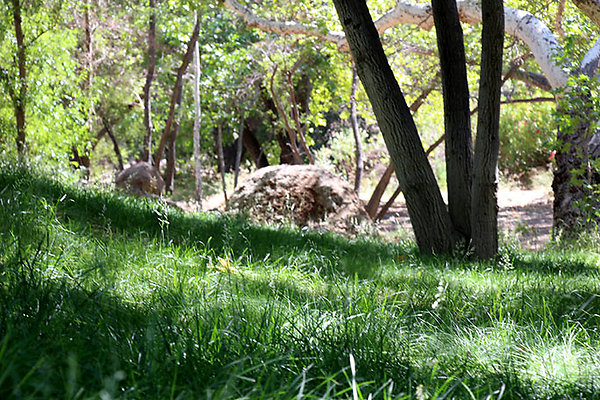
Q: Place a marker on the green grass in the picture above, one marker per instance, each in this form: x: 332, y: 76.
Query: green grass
x: 104, y: 296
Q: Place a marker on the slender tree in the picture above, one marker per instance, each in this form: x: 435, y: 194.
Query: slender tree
x: 172, y: 148
x: 197, y: 122
x: 20, y: 97
x: 238, y: 149
x: 354, y: 123
x: 187, y: 58
x: 147, y: 151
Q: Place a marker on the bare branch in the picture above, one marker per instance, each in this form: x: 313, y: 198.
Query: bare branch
x: 559, y: 17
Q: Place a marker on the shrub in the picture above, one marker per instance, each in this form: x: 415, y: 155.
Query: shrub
x: 526, y: 135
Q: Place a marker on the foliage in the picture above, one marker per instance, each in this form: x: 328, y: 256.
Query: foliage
x: 527, y: 134
x: 55, y: 112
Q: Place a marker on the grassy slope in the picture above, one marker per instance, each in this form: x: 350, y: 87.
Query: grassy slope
x: 105, y: 296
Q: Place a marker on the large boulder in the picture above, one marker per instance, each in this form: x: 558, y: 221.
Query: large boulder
x: 141, y: 179
x: 305, y: 195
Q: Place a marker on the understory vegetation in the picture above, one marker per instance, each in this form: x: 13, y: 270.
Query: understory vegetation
x: 105, y: 296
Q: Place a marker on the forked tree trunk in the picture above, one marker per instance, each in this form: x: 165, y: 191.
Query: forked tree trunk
x: 457, y: 120
x: 147, y: 151
x: 428, y: 214
x: 187, y: 58
x: 485, y: 180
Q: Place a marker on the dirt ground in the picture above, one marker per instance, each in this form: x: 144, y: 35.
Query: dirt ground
x: 524, y: 216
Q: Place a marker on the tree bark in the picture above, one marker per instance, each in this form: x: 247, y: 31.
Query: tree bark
x: 89, y: 63
x: 252, y: 145
x: 197, y: 123
x: 428, y: 214
x: 383, y: 183
x: 373, y: 204
x: 172, y: 149
x: 147, y: 151
x: 485, y: 180
x: 354, y: 123
x: 457, y: 120
x: 111, y: 135
x: 238, y: 150
x: 175, y: 95
x: 291, y: 141
x: 20, y: 99
x: 220, y: 159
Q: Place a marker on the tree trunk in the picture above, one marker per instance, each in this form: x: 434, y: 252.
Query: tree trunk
x: 573, y: 175
x: 288, y: 145
x: 175, y: 95
x: 484, y: 208
x: 375, y: 199
x: 20, y: 99
x: 457, y: 120
x: 172, y: 149
x: 238, y: 152
x: 383, y: 183
x: 197, y: 123
x: 428, y: 214
x: 355, y: 131
x: 89, y: 63
x: 147, y: 151
x: 252, y: 144
x: 111, y: 135
x: 220, y: 159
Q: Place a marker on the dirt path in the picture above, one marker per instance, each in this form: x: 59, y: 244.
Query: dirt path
x: 524, y: 216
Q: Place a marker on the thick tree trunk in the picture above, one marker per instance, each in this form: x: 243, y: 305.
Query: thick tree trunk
x: 574, y: 175
x: 197, y: 124
x: 457, y: 120
x: 252, y: 145
x: 428, y: 214
x: 20, y: 99
x: 175, y: 95
x: 147, y: 151
x: 354, y: 123
x: 484, y: 208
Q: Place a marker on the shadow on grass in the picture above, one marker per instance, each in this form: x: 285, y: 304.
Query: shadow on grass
x: 132, y: 216
x: 59, y: 339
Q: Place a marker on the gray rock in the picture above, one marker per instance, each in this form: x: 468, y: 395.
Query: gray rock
x: 141, y: 179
